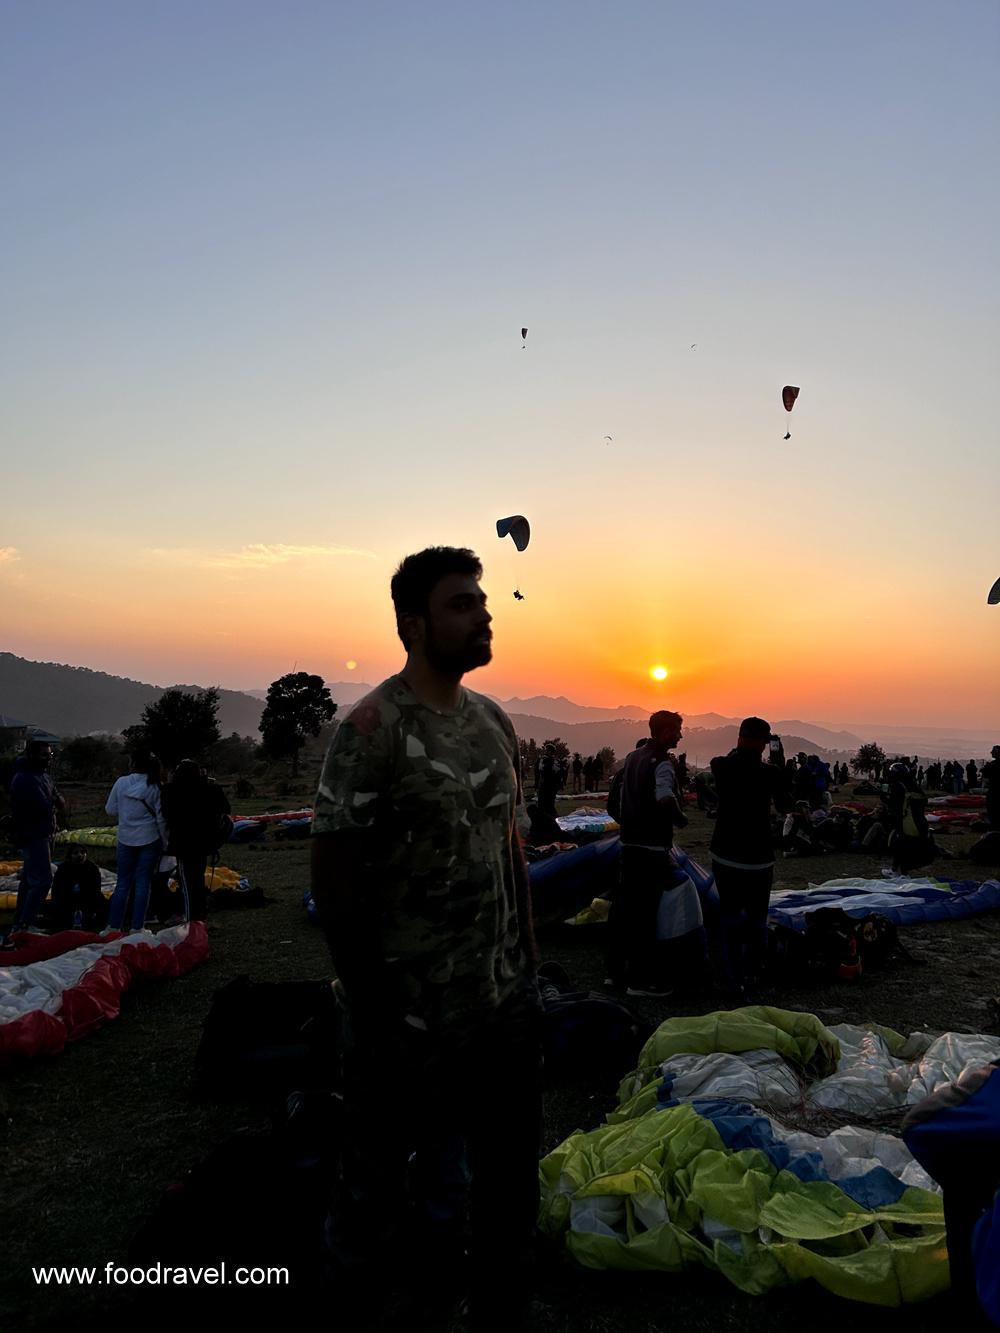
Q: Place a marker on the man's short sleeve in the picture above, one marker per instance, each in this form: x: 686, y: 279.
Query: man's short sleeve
x: 666, y: 780
x: 356, y: 773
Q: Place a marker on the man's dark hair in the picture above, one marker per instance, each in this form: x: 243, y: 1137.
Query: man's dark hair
x: 418, y: 575
x: 660, y: 719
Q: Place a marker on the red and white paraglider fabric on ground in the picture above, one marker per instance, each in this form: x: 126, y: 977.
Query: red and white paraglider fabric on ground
x: 56, y: 988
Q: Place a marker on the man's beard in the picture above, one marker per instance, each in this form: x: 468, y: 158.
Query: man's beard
x: 457, y: 661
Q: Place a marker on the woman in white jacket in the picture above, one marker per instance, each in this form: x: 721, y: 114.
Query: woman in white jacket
x: 142, y: 835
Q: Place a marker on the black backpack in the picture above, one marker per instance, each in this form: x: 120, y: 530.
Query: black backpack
x: 260, y: 1040
x: 584, y: 1032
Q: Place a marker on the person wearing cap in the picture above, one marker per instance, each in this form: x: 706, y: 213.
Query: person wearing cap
x: 647, y: 806
x: 742, y: 849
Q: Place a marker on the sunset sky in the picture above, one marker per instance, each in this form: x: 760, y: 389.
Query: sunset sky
x: 265, y: 271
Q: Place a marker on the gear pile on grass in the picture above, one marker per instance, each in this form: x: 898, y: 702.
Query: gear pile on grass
x: 758, y: 1142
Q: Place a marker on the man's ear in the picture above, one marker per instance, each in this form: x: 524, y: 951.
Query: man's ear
x: 411, y: 628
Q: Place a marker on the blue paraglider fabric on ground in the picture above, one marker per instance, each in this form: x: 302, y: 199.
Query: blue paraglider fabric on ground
x: 567, y: 882
x: 903, y: 902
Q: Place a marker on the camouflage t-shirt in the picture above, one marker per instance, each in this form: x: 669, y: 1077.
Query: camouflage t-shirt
x: 433, y: 795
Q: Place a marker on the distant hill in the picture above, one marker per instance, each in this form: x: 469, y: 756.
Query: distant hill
x: 74, y: 701
x: 565, y: 710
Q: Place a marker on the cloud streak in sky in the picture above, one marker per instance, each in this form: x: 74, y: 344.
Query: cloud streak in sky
x: 8, y: 554
x: 258, y: 555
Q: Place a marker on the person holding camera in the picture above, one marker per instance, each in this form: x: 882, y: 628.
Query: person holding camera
x: 742, y: 849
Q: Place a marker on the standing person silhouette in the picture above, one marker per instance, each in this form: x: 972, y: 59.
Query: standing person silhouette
x: 422, y: 888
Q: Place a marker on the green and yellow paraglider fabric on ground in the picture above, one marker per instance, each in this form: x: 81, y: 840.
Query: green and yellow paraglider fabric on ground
x: 89, y: 837
x: 706, y: 1163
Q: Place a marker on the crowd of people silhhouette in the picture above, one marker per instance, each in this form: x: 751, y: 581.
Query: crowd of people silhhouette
x: 168, y: 825
x: 420, y: 878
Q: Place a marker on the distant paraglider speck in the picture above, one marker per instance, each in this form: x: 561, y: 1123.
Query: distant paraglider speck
x: 518, y: 595
x: 788, y: 396
x: 517, y: 528
x: 524, y: 339
x: 609, y: 439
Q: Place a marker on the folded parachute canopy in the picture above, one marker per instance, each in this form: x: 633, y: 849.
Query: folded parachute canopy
x: 691, y: 1171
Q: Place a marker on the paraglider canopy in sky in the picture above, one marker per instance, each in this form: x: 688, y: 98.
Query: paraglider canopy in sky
x: 788, y: 396
x: 517, y: 528
x: 994, y: 597
x: 524, y: 334
x: 518, y: 595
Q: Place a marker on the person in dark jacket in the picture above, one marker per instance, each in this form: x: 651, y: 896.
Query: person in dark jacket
x: 194, y: 808
x: 77, y: 901
x: 548, y: 782
x: 34, y: 801
x: 649, y: 811
x: 743, y: 849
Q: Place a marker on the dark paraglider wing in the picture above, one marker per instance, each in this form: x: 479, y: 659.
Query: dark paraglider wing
x: 788, y: 396
x: 994, y: 597
x: 517, y: 528
x: 524, y: 333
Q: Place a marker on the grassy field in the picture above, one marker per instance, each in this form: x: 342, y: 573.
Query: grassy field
x: 93, y: 1136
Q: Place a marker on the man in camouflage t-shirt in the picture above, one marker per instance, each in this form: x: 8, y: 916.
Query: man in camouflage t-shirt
x: 423, y: 890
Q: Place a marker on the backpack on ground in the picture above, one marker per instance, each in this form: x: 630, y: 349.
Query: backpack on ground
x: 585, y: 1033
x: 261, y: 1040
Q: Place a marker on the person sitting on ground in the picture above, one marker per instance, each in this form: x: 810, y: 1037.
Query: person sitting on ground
x: 910, y: 842
x: 797, y: 831
x: 836, y: 832
x: 77, y: 901
x: 544, y: 828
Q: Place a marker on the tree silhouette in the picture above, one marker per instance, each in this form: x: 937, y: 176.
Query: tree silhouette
x: 869, y: 759
x: 297, y: 706
x: 177, y: 726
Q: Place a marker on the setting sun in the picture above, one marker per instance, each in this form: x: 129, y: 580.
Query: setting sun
x: 658, y: 672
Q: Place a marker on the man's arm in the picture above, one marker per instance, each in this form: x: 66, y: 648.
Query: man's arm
x: 348, y: 914
x: 666, y: 793
x: 522, y: 891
